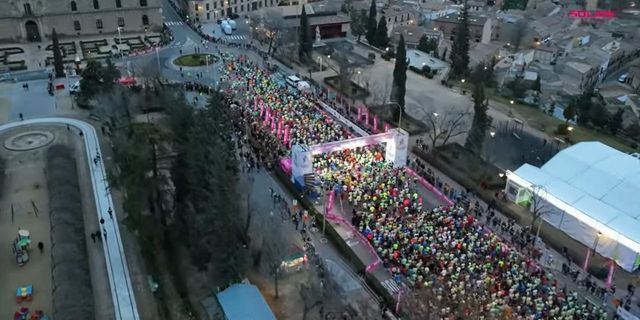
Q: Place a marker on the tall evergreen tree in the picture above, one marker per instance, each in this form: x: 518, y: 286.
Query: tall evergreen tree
x: 460, y: 47
x: 400, y: 74
x: 481, y: 121
x: 305, y: 44
x: 57, y: 55
x: 382, y: 39
x: 372, y: 25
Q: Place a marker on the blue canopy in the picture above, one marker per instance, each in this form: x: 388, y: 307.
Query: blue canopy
x: 244, y: 302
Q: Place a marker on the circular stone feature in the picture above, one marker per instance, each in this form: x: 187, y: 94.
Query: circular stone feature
x: 195, y: 60
x: 28, y: 140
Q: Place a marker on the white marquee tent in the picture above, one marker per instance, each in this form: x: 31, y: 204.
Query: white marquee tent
x: 591, y: 192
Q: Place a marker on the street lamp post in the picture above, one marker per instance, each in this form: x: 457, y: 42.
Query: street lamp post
x: 158, y: 59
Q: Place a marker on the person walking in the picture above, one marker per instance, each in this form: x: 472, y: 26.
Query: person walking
x: 21, y: 116
x: 104, y: 234
x: 41, y: 247
x: 93, y: 237
x: 110, y: 213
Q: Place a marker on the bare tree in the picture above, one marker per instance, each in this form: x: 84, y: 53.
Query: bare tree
x: 345, y: 70
x: 273, y: 28
x: 537, y: 205
x: 441, y: 127
x: 379, y: 90
x: 275, y: 247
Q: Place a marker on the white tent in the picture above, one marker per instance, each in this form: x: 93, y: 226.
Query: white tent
x: 592, y: 193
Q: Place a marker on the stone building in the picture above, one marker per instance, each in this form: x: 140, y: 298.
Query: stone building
x: 33, y: 20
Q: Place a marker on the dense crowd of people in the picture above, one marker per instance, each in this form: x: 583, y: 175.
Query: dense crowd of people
x: 298, y: 113
x: 444, y: 248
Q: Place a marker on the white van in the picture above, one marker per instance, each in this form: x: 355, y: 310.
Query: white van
x: 292, y: 81
x: 233, y: 24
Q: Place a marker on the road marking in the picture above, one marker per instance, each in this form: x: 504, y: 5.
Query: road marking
x: 174, y: 23
x: 391, y: 285
x: 236, y: 37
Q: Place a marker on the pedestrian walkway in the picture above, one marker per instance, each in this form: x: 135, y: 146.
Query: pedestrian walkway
x: 236, y: 37
x: 174, y: 23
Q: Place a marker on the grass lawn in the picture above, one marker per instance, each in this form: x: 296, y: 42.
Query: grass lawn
x: 195, y: 60
x: 546, y: 123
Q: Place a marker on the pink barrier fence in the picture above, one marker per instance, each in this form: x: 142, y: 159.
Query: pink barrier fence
x: 337, y: 218
x: 430, y: 187
x: 285, y: 164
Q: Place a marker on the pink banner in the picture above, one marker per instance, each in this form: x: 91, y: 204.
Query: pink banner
x: 612, y: 270
x: 286, y: 134
x: 359, y: 113
x: 585, y: 264
x: 285, y: 164
x: 375, y: 123
x: 430, y: 187
x: 366, y: 118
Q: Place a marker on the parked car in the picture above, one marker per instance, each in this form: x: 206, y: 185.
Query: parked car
x: 292, y: 81
x: 623, y: 78
x: 234, y: 16
x: 75, y: 88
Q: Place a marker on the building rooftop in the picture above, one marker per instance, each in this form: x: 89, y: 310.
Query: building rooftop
x: 598, y: 186
x: 418, y: 59
x: 292, y: 22
x: 473, y: 19
x: 579, y: 66
x: 411, y: 33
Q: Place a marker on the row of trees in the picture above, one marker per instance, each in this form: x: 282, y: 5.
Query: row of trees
x: 376, y: 31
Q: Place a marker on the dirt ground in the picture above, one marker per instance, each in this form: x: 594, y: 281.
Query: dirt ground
x: 25, y: 190
x: 25, y: 187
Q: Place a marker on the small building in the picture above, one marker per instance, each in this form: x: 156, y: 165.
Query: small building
x: 480, y: 27
x: 243, y: 301
x: 33, y: 21
x: 398, y: 16
x: 418, y: 60
x: 331, y: 24
x: 412, y: 35
x: 634, y: 75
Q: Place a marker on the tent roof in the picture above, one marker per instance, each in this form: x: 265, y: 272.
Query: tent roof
x: 244, y: 302
x: 599, y: 181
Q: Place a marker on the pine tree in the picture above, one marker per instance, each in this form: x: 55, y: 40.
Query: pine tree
x: 382, y: 39
x: 57, y: 55
x: 372, y: 26
x: 460, y: 47
x: 305, y: 45
x: 569, y: 112
x: 616, y: 121
x: 427, y: 44
x: 481, y: 121
x: 536, y: 85
x: 400, y: 74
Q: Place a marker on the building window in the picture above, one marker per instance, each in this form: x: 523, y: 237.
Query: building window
x: 74, y: 6
x: 215, y: 4
x: 242, y: 7
x: 272, y: 3
x: 145, y: 20
x: 143, y: 3
x: 120, y: 22
x: 76, y: 25
x: 208, y: 16
x: 207, y: 6
x: 27, y: 9
x: 96, y: 4
x: 118, y: 3
x: 99, y: 23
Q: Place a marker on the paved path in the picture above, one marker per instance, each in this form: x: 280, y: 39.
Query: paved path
x: 124, y: 301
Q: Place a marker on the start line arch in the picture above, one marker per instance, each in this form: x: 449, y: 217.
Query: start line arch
x: 397, y: 141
